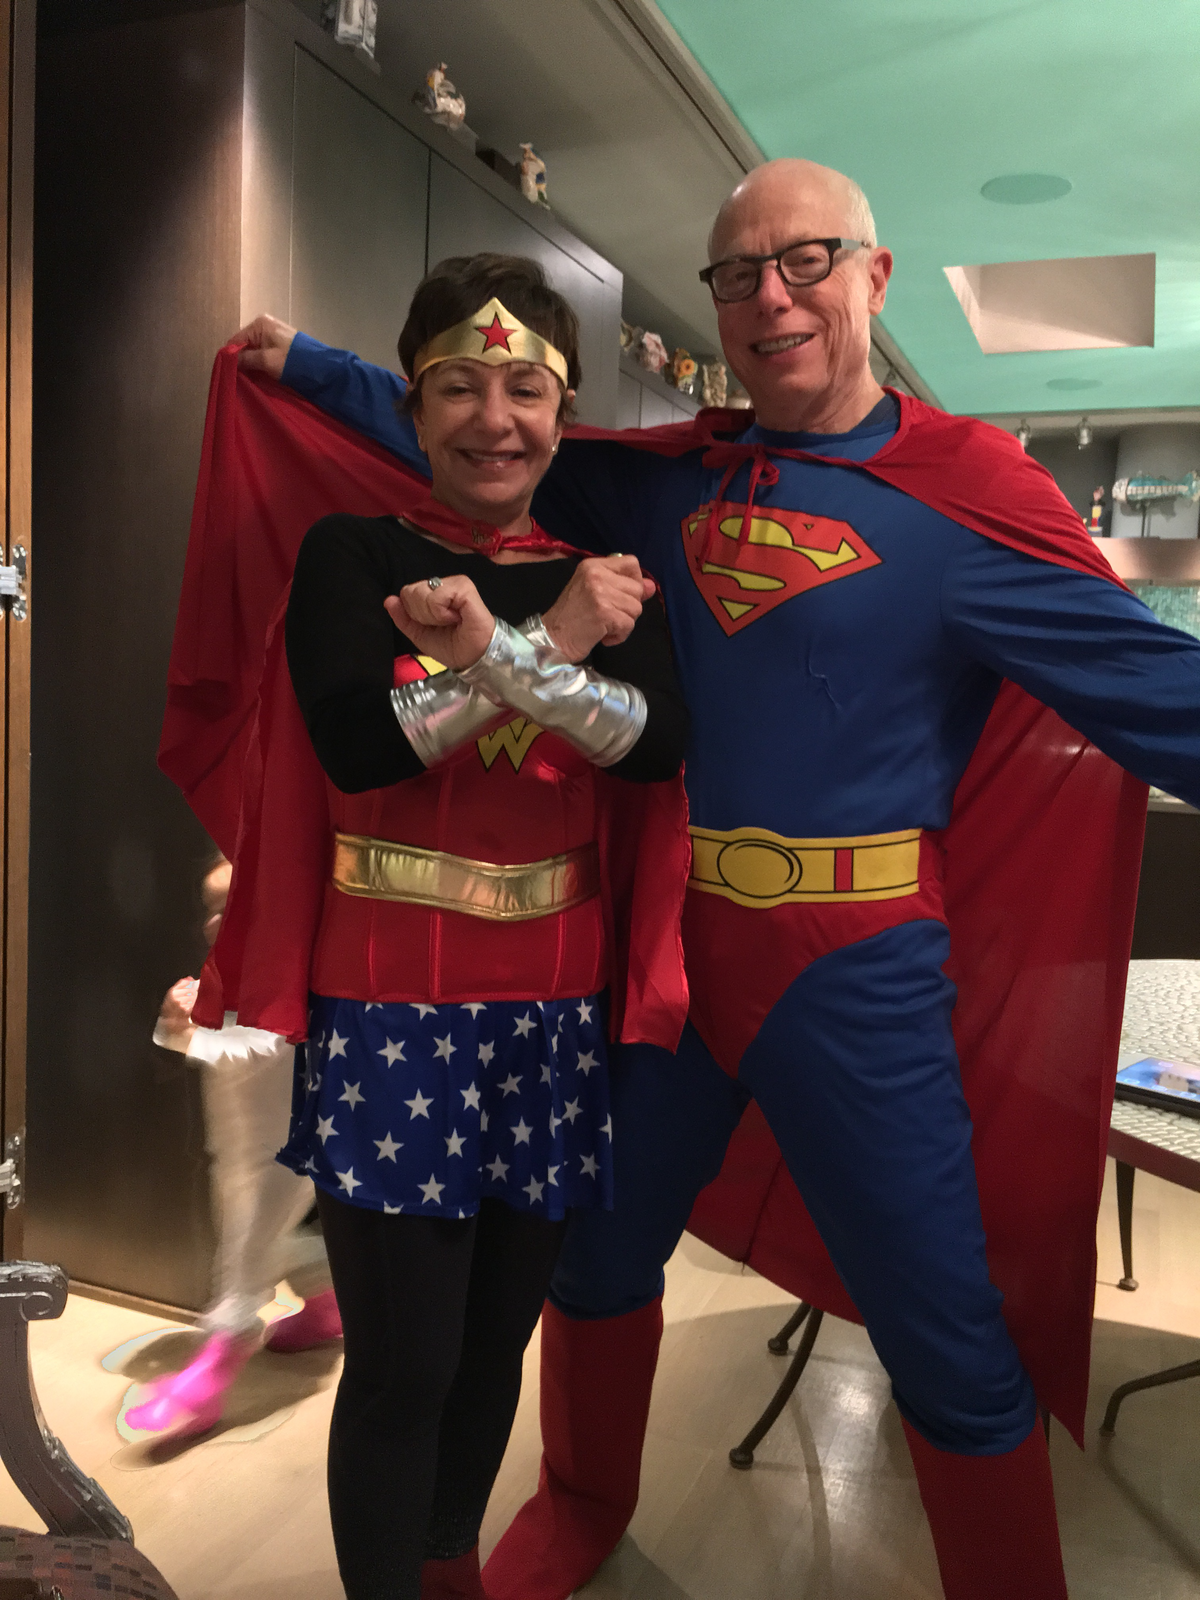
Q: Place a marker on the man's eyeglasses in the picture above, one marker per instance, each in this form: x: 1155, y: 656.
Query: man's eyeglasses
x: 800, y: 265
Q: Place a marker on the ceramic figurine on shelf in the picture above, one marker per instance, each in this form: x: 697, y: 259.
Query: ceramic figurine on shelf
x: 631, y: 337
x: 683, y: 372
x: 651, y: 353
x: 353, y: 23
x: 714, y: 383
x: 533, y: 177
x: 1093, y: 524
x: 440, y: 100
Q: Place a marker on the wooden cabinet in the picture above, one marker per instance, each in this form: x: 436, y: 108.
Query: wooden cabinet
x: 194, y: 167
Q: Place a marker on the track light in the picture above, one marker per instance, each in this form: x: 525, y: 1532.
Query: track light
x: 1083, y: 433
x: 1024, y: 434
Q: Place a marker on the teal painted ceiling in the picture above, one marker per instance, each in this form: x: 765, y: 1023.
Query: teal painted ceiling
x: 925, y: 101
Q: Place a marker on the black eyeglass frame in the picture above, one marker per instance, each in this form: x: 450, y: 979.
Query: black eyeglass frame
x: 832, y: 246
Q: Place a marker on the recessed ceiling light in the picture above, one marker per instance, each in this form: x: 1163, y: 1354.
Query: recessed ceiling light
x: 1073, y: 384
x: 1025, y: 188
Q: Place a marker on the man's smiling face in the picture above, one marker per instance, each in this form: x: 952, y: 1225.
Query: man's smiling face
x: 801, y: 353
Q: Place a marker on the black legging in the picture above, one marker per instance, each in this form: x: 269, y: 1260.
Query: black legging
x: 436, y: 1314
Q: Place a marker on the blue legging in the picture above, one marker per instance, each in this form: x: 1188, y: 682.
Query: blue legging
x: 855, y: 1070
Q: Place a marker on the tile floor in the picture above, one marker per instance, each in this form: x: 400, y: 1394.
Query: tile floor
x: 829, y: 1512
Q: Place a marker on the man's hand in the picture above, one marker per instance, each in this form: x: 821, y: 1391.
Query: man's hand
x: 449, y: 623
x: 599, y: 606
x: 175, y: 1014
x: 267, y: 342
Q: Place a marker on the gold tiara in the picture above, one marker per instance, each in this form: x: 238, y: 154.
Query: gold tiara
x: 493, y: 335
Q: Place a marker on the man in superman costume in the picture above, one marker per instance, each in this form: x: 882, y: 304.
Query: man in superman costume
x: 911, y: 899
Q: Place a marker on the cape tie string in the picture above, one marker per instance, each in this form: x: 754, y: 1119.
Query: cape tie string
x: 730, y: 455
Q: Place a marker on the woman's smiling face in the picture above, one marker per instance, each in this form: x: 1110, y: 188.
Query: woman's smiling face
x: 489, y: 433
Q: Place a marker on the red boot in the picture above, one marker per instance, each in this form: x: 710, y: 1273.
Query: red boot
x: 596, y: 1382
x: 453, y: 1580
x: 993, y: 1520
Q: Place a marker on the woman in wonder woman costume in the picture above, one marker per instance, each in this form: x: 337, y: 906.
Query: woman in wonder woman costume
x: 475, y: 693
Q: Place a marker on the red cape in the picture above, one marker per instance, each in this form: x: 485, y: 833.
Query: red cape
x: 1041, y: 863
x: 235, y: 743
x: 1041, y: 857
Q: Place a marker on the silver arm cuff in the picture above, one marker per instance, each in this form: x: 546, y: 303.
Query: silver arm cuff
x: 438, y: 714
x: 523, y: 669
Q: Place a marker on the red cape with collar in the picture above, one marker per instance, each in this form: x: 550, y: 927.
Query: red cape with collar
x: 1041, y: 864
x: 235, y: 742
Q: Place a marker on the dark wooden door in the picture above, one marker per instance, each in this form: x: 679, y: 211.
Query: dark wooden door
x: 18, y: 25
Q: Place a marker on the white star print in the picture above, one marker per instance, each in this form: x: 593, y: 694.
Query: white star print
x: 390, y: 1211
x: 431, y: 1191
x: 310, y: 1165
x: 419, y: 1106
x: 585, y: 1011
x: 552, y: 1175
x: 554, y: 1043
x: 325, y: 1129
x: 475, y: 1007
x: 372, y: 1005
x: 314, y: 1082
x: 337, y: 1045
x: 424, y: 1010
x: 387, y: 1148
x: 511, y: 1084
x: 454, y: 1144
x: 483, y: 1122
x: 541, y: 1005
x: 534, y: 1190
x: 571, y: 1110
x: 498, y: 1169
x: 607, y: 1128
x: 546, y: 1078
x: 470, y: 1098
x: 393, y: 1052
x: 348, y: 1181
x: 352, y: 1096
x: 524, y: 1026
x: 444, y: 1048
x: 486, y: 1052
x: 561, y: 1020
x: 522, y: 1132
x: 555, y: 1124
x: 586, y: 1062
x: 590, y: 1167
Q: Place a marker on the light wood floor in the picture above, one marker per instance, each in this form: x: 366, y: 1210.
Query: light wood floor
x: 829, y: 1512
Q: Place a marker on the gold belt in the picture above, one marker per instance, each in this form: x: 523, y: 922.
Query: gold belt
x: 383, y: 870
x: 754, y: 867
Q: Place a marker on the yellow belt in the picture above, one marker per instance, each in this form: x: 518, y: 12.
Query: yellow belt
x: 383, y: 870
x: 754, y: 867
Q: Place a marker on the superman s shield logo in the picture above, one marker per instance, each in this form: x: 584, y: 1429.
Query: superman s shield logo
x: 787, y: 553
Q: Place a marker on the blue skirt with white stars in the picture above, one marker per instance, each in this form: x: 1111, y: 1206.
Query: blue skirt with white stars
x: 426, y: 1109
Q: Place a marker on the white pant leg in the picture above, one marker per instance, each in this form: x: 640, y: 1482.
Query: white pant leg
x: 247, y: 1088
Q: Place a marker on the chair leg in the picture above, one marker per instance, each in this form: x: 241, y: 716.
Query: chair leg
x: 742, y: 1455
x: 1190, y: 1369
x: 69, y: 1502
x: 1125, y: 1177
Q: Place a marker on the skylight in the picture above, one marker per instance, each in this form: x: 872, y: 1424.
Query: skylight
x: 1082, y: 303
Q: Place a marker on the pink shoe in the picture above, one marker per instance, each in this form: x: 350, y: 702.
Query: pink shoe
x: 317, y: 1322
x: 191, y: 1401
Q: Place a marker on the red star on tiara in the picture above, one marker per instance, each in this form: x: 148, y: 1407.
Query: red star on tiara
x: 496, y: 335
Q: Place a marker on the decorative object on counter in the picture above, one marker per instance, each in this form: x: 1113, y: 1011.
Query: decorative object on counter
x: 631, y: 337
x: 352, y: 22
x: 739, y: 400
x: 1024, y: 434
x: 1097, y: 515
x: 1083, y: 433
x: 650, y: 352
x: 714, y: 383
x: 533, y: 177
x: 682, y: 372
x: 1145, y: 493
x: 439, y: 100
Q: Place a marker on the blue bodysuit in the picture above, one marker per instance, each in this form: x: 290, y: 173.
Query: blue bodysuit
x: 838, y: 685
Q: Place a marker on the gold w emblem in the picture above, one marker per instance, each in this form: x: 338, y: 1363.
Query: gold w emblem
x: 514, y: 738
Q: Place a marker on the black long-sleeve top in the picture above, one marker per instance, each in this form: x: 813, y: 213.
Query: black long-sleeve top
x: 341, y: 646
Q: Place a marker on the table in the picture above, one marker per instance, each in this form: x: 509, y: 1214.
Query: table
x: 1162, y: 1018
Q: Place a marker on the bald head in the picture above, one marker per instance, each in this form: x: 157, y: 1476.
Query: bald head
x: 835, y: 204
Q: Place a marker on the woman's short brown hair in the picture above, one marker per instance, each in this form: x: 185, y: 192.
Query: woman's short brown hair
x: 457, y: 287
